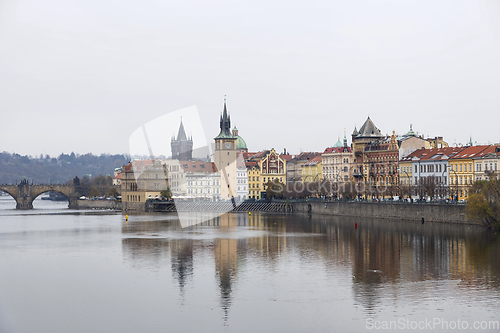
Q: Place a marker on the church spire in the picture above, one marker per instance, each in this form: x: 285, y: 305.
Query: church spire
x: 181, y: 136
x: 225, y: 123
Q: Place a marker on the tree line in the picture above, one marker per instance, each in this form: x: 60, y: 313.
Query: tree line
x: 57, y: 170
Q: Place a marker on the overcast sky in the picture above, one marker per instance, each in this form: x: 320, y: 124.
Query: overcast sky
x: 82, y: 76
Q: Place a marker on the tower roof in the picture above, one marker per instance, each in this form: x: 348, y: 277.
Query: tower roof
x: 181, y: 135
x: 410, y: 132
x: 369, y: 130
x: 225, y: 125
x: 338, y: 143
x: 240, y: 143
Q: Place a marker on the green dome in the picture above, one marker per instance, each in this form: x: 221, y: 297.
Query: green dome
x: 240, y: 143
x: 338, y: 144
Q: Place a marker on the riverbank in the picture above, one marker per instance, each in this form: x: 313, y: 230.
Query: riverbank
x: 446, y: 213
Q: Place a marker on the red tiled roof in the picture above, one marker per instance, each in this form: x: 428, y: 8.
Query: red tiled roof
x: 250, y: 164
x: 118, y: 176
x: 470, y: 152
x: 198, y: 166
x: 247, y: 154
x: 336, y: 150
x: 425, y: 154
x: 138, y: 165
x: 286, y: 157
x: 305, y: 156
x: 313, y: 161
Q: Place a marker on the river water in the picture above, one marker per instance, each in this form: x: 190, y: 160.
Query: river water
x: 89, y: 271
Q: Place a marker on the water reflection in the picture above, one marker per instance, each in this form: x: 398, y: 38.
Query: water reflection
x: 389, y: 261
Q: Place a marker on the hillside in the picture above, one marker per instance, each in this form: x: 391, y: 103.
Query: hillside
x: 46, y: 169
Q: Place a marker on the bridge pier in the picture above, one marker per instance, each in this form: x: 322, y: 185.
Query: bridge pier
x: 73, y: 203
x: 23, y: 199
x: 24, y: 203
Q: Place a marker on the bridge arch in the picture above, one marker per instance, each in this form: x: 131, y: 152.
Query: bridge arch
x: 47, y: 191
x: 8, y: 192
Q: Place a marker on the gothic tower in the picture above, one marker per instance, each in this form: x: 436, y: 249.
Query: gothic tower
x: 182, y: 147
x: 225, y: 157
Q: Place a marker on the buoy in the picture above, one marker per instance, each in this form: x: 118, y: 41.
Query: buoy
x: 355, y: 226
x: 126, y: 217
x: 249, y: 213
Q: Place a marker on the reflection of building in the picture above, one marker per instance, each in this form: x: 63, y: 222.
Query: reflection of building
x: 182, y: 146
x: 181, y: 253
x: 226, y: 262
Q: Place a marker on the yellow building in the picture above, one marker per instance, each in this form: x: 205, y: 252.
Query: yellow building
x: 254, y: 180
x: 462, y: 171
x: 312, y: 170
x: 405, y: 172
x: 263, y: 167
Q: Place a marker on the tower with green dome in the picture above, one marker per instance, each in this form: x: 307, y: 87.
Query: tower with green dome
x: 241, y: 145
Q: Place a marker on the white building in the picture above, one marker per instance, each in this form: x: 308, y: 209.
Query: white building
x: 241, y: 179
x: 202, y: 180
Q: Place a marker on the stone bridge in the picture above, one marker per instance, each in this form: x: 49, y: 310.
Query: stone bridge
x: 25, y: 193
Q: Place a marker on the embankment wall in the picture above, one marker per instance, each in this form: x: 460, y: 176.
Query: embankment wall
x: 98, y: 204
x: 430, y: 212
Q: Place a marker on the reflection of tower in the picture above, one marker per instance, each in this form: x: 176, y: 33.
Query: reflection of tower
x: 226, y: 263
x: 225, y: 157
x: 376, y: 260
x: 182, y: 146
x: 182, y: 261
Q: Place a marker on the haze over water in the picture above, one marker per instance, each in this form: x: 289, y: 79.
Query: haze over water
x: 74, y: 271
